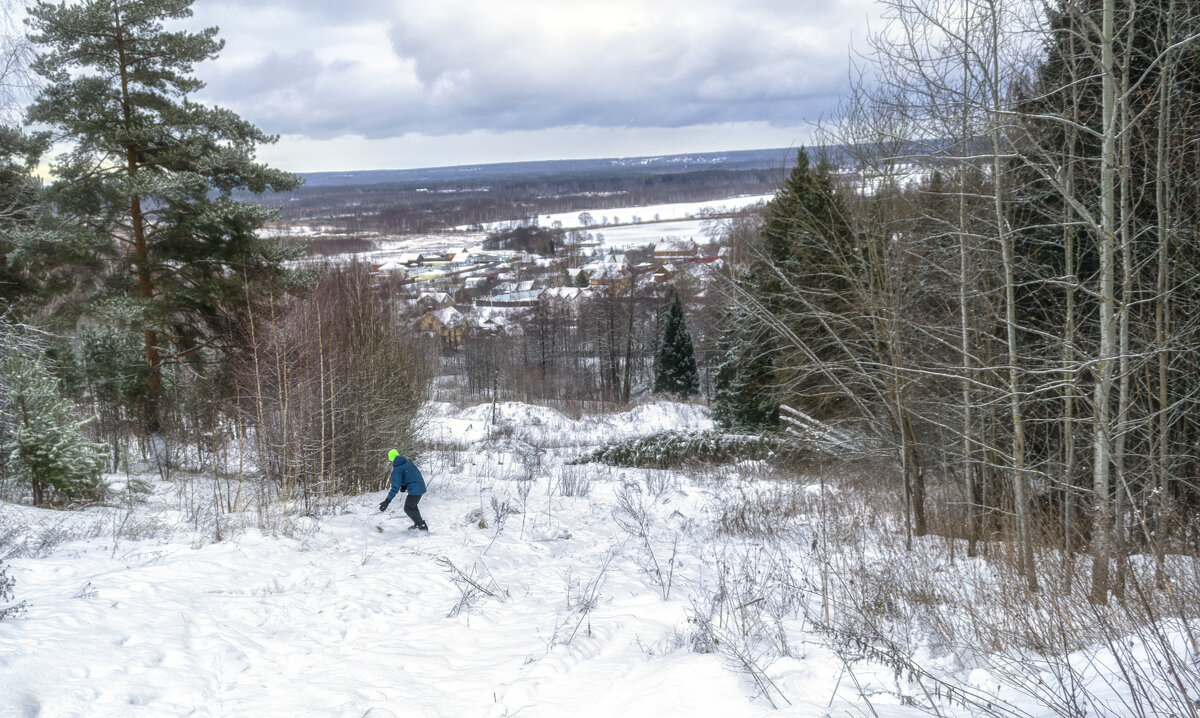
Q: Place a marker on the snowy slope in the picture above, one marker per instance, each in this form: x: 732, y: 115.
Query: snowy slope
x: 352, y: 613
x: 347, y: 619
x: 550, y: 608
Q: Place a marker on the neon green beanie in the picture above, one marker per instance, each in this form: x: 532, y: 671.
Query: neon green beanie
x: 393, y: 454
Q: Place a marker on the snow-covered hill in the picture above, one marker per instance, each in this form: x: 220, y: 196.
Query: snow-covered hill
x: 545, y: 612
x: 544, y: 589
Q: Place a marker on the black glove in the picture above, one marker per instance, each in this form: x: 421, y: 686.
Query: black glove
x: 403, y: 489
x: 384, y: 504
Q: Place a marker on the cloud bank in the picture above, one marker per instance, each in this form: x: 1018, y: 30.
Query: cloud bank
x: 380, y: 70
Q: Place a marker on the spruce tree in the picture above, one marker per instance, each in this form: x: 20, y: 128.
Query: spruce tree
x: 42, y: 442
x: 675, y: 371
x: 744, y: 391
x: 152, y: 173
x: 6, y: 594
x: 803, y: 276
x: 807, y: 276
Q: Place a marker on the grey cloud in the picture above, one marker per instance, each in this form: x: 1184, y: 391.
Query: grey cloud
x: 452, y: 70
x: 327, y: 12
x: 274, y: 74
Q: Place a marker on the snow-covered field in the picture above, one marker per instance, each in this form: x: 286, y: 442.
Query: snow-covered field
x: 642, y: 213
x: 352, y: 615
x: 639, y: 235
x: 544, y: 589
x: 654, y: 224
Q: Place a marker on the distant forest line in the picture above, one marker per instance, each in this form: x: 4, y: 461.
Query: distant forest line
x: 424, y: 201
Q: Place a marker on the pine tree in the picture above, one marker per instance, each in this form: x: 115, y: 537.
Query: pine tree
x: 38, y: 263
x: 18, y: 197
x: 152, y: 172
x: 675, y: 371
x: 43, y: 444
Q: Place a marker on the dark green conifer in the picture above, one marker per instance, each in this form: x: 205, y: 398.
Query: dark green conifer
x: 803, y: 278
x: 42, y: 438
x: 38, y: 263
x: 675, y: 371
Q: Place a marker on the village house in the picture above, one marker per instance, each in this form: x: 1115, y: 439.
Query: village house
x: 611, y: 275
x: 390, y: 268
x: 433, y: 301
x: 511, y: 299
x: 446, y: 324
x: 676, y: 249
x: 510, y: 287
x: 491, y: 321
x: 569, y: 298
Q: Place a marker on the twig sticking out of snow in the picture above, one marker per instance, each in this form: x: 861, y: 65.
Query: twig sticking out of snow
x: 469, y: 586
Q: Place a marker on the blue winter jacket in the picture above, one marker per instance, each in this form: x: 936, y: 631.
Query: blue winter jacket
x: 405, y: 476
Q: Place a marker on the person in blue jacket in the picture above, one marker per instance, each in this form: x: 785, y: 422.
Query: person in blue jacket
x: 406, y: 478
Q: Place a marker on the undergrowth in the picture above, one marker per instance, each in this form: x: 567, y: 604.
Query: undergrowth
x: 6, y: 595
x: 678, y: 449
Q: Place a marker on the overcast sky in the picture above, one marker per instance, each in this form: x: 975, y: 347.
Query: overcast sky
x: 383, y: 84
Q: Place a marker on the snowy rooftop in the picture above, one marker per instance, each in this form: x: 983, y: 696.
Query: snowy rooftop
x: 449, y: 317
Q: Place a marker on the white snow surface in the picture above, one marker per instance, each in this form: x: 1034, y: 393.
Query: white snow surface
x: 601, y: 218
x: 542, y: 426
x: 141, y: 613
x: 353, y: 615
x: 639, y: 235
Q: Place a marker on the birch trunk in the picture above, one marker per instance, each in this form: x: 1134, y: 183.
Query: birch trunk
x: 1101, y: 466
x: 1019, y: 479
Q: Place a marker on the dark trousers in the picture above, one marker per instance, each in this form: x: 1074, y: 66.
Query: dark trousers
x: 410, y: 508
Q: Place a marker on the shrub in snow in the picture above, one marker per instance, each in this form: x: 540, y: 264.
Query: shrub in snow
x: 493, y: 515
x: 675, y: 449
x: 476, y: 517
x: 635, y: 513
x: 574, y: 482
x: 44, y: 447
x: 6, y: 595
x: 501, y: 510
x: 742, y: 615
x: 766, y: 511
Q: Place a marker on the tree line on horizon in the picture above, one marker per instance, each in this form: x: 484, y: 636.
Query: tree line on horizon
x: 430, y: 207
